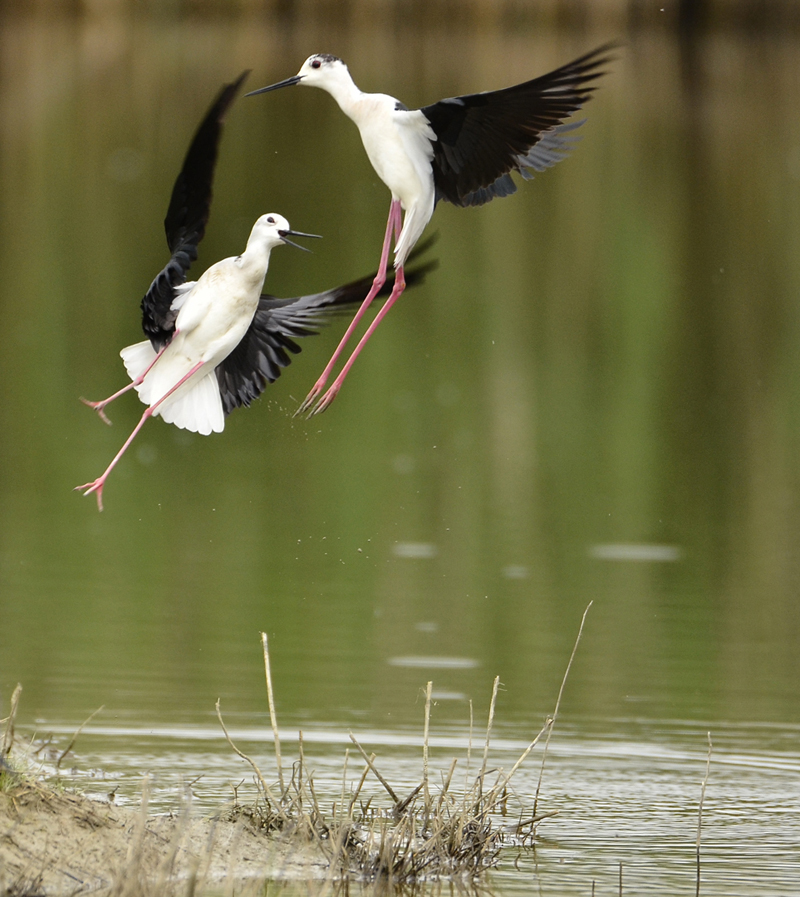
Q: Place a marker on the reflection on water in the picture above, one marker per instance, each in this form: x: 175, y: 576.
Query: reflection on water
x: 434, y: 663
x: 593, y: 398
x: 636, y: 552
x: 415, y: 550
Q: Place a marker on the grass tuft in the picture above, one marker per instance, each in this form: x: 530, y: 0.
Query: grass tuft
x: 433, y: 833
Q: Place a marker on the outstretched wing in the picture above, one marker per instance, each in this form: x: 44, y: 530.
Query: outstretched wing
x: 186, y: 219
x: 277, y: 323
x: 483, y: 137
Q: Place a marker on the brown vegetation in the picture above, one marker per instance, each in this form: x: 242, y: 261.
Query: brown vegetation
x: 53, y: 842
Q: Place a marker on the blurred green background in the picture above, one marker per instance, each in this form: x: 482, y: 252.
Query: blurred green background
x: 595, y: 396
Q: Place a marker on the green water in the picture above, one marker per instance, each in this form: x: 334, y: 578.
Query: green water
x: 594, y: 398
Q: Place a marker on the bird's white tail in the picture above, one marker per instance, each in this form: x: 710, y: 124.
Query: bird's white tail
x: 196, y: 406
x: 414, y: 223
x: 198, y: 410
x: 137, y: 358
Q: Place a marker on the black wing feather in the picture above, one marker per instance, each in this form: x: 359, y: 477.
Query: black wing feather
x: 264, y: 350
x: 483, y: 137
x: 186, y: 219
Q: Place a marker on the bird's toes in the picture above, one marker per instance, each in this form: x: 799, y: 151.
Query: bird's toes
x: 308, y: 402
x: 95, y: 486
x: 324, y: 402
x: 98, y: 407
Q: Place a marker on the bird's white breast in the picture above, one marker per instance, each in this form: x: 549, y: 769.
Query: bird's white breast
x: 397, y: 147
x: 216, y: 316
x: 212, y: 321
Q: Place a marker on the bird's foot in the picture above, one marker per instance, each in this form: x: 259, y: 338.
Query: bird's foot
x: 310, y: 400
x: 98, y: 407
x: 325, y: 401
x: 95, y: 486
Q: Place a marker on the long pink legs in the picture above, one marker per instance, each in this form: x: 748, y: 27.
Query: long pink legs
x: 98, y: 484
x: 99, y: 406
x: 393, y: 227
x: 330, y: 395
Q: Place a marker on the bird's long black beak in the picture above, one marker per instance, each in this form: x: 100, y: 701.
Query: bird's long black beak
x: 297, y: 233
x: 295, y: 79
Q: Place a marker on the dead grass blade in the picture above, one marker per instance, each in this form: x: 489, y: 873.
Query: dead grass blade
x: 8, y: 732
x: 700, y: 814
x: 552, y: 721
x: 268, y: 794
x: 74, y: 738
x: 272, y: 715
x: 372, y: 766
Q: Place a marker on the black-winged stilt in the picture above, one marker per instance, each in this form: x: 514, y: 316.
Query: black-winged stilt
x: 461, y: 149
x: 213, y: 345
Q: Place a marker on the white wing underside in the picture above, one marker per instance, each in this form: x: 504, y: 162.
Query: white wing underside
x: 196, y: 406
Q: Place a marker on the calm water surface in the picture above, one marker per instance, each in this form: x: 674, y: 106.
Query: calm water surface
x: 594, y: 398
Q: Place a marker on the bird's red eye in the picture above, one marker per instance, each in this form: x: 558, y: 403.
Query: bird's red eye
x: 316, y: 64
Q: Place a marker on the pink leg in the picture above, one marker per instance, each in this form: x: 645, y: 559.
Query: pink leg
x: 392, y: 228
x: 99, y: 406
x: 330, y: 395
x: 98, y: 484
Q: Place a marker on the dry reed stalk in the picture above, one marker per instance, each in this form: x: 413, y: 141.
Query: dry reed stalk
x: 318, y: 818
x: 426, y: 729
x: 74, y: 738
x: 292, y: 802
x: 301, y: 766
x: 338, y: 819
x: 372, y: 766
x: 8, y: 731
x: 503, y: 780
x: 552, y: 721
x: 360, y: 785
x: 272, y: 716
x: 700, y: 814
x: 469, y: 752
x: 406, y: 803
x: 268, y: 795
x: 446, y: 786
x: 338, y: 853
x: 488, y: 731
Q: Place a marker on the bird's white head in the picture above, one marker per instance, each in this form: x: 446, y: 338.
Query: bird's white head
x: 320, y: 70
x: 267, y: 230
x: 271, y: 230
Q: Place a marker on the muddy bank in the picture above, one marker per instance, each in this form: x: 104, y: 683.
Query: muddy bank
x: 54, y: 843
